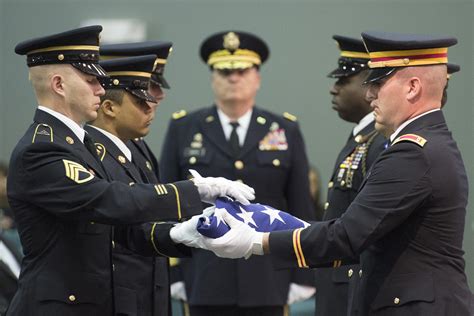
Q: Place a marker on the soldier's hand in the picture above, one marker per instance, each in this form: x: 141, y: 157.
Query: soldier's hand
x: 241, y: 241
x: 186, y: 232
x: 211, y: 188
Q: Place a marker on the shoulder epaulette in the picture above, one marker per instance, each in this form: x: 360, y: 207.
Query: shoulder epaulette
x: 290, y: 117
x: 43, y: 132
x: 179, y: 114
x: 420, y: 141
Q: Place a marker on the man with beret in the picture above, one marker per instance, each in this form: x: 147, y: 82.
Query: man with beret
x: 352, y: 164
x: 407, y: 221
x: 143, y: 155
x: 238, y: 140
x: 126, y: 112
x: 61, y: 195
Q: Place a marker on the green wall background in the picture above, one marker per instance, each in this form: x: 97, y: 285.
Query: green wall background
x: 294, y: 79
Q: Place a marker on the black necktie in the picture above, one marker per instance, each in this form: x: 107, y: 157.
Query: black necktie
x: 89, y: 143
x: 234, y: 138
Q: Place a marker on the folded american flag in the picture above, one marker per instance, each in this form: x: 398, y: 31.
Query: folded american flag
x: 262, y: 218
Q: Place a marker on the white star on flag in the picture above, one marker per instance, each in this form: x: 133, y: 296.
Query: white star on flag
x: 246, y: 216
x: 274, y: 214
x: 218, y: 216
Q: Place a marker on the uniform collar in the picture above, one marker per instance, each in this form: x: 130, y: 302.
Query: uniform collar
x: 73, y: 126
x: 244, y: 123
x: 404, y: 124
x: 366, y: 120
x: 117, y: 141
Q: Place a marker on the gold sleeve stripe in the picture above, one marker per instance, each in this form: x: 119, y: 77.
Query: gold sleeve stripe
x: 300, y: 249
x: 152, y: 238
x: 157, y: 188
x: 165, y: 191
x: 337, y: 263
x: 177, y: 200
x: 297, y: 248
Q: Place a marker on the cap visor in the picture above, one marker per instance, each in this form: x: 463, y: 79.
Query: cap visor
x: 338, y: 73
x: 160, y: 80
x: 91, y: 69
x: 379, y: 73
x: 142, y: 94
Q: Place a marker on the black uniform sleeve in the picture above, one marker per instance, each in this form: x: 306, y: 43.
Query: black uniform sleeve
x: 151, y: 239
x: 54, y: 179
x: 398, y: 183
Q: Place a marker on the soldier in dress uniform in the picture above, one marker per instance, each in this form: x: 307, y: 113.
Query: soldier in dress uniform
x: 144, y: 157
x: 360, y: 151
x: 407, y: 222
x: 236, y: 139
x: 126, y: 112
x: 61, y: 195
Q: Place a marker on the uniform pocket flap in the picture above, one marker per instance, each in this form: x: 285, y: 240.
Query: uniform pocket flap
x: 404, y: 289
x: 273, y: 158
x: 86, y: 289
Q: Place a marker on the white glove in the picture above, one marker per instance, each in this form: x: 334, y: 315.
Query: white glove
x: 211, y: 188
x: 241, y: 241
x: 178, y: 291
x: 298, y: 293
x: 186, y: 232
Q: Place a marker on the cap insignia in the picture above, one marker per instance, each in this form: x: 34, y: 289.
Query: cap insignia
x: 231, y: 41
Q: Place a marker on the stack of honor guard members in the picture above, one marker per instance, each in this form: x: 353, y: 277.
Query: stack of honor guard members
x: 140, y: 283
x: 352, y: 164
x: 236, y: 139
x: 60, y: 193
x: 143, y: 155
x: 407, y: 222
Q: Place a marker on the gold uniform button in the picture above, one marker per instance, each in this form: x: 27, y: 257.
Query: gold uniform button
x: 396, y: 301
x: 326, y: 205
x: 116, y: 82
x: 358, y: 138
x: 330, y: 184
x: 192, y: 160
x: 343, y: 183
x: 72, y: 298
x: 350, y: 273
x: 69, y: 140
x: 276, y: 162
x: 60, y: 57
x: 239, y: 164
x: 122, y: 159
x: 360, y: 273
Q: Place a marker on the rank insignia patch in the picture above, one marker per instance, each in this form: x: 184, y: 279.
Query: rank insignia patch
x: 274, y: 140
x: 77, y: 172
x: 420, y: 141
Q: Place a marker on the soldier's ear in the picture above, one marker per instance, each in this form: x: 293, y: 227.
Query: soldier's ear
x: 57, y: 84
x: 109, y: 108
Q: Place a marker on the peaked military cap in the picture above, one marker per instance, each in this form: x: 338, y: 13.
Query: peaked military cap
x: 353, y: 57
x: 78, y: 47
x: 389, y: 51
x: 130, y: 73
x: 161, y: 49
x: 234, y: 50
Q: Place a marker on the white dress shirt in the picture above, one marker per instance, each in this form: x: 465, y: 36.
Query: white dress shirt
x: 366, y: 120
x: 244, y: 122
